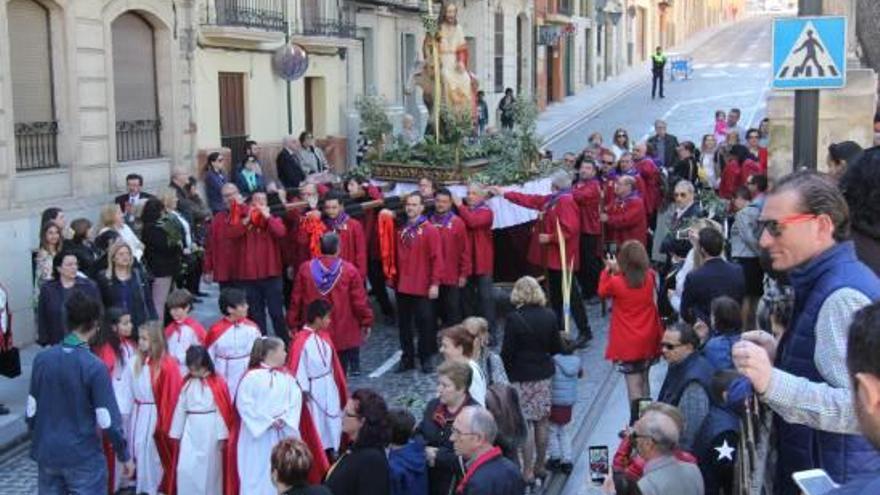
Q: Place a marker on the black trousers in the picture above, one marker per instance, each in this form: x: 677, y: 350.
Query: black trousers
x: 478, y: 299
x: 591, y: 265
x: 578, y: 313
x: 418, y: 312
x: 656, y: 79
x: 350, y: 359
x: 377, y: 282
x: 448, y: 305
x: 266, y: 294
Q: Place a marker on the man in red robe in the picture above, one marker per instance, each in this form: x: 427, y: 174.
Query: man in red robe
x: 558, y: 211
x: 331, y: 278
x: 222, y: 249
x: 587, y: 192
x: 352, y: 245
x: 417, y: 282
x: 455, y: 257
x: 478, y: 218
x: 626, y: 218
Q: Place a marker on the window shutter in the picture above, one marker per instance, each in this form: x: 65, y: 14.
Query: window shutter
x: 134, y: 68
x: 31, y: 62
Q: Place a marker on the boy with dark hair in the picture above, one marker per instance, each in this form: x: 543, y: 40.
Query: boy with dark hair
x: 230, y: 340
x: 184, y: 331
x: 406, y: 456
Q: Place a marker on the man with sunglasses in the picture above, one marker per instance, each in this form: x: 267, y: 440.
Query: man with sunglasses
x: 687, y: 382
x: 803, y: 377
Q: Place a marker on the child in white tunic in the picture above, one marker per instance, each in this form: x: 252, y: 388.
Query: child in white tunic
x: 183, y: 331
x: 269, y: 403
x: 229, y: 341
x: 200, y: 426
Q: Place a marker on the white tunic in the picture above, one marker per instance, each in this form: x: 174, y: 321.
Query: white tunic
x: 121, y: 381
x: 199, y: 426
x: 477, y: 390
x: 314, y: 374
x: 179, y: 342
x: 232, y: 351
x: 144, y: 416
x: 264, y: 397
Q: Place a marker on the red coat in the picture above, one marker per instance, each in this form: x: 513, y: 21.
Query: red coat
x: 455, y: 253
x: 748, y: 169
x: 653, y: 180
x: 763, y: 159
x: 587, y: 194
x: 478, y: 220
x: 222, y: 247
x: 419, y: 260
x: 351, y: 310
x: 635, y: 330
x: 627, y: 220
x: 261, y: 255
x: 352, y: 244
x: 731, y: 179
x: 560, y: 209
x: 609, y: 183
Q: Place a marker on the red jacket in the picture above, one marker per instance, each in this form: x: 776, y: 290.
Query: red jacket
x: 587, y: 194
x: 561, y: 209
x: 261, y: 254
x: 627, y: 220
x: 222, y: 248
x: 763, y: 159
x: 611, y: 197
x: 633, y: 465
x: 419, y: 260
x: 351, y: 310
x: 748, y: 169
x: 455, y: 253
x: 478, y: 220
x: 653, y: 180
x: 731, y: 179
x: 635, y: 330
x: 352, y: 245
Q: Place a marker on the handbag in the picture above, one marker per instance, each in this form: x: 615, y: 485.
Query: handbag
x: 10, y: 363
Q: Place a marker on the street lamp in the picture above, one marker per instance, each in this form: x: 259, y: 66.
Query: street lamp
x: 614, y: 11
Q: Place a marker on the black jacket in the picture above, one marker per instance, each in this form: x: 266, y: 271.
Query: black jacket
x: 531, y: 338
x: 671, y: 243
x: 308, y: 490
x: 499, y: 476
x: 670, y: 155
x: 86, y: 256
x: 290, y: 172
x: 161, y: 254
x: 361, y: 471
x: 51, y: 316
x: 715, y: 278
x: 448, y: 467
x: 122, y: 199
x: 687, y: 169
x: 133, y: 295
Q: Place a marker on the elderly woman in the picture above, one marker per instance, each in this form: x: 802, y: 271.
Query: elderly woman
x: 363, y: 469
x: 112, y: 218
x: 435, y: 429
x: 124, y: 285
x: 163, y: 237
x: 51, y: 319
x: 531, y: 338
x: 311, y: 157
x: 291, y: 461
x: 456, y: 343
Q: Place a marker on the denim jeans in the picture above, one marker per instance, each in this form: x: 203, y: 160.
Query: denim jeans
x: 87, y: 478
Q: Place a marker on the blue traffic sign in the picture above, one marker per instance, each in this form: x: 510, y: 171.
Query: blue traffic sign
x: 809, y: 52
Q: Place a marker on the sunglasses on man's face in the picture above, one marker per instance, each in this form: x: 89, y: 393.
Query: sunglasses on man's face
x: 776, y: 227
x: 668, y: 346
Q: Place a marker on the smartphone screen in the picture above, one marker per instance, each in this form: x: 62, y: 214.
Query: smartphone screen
x: 598, y: 463
x: 817, y: 483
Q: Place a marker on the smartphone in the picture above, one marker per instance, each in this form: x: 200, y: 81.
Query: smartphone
x: 814, y: 482
x: 683, y: 234
x: 611, y: 248
x: 637, y: 408
x: 598, y: 463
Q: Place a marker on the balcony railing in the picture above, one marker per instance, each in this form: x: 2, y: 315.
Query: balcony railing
x: 259, y: 14
x: 137, y: 139
x: 36, y: 145
x: 321, y: 26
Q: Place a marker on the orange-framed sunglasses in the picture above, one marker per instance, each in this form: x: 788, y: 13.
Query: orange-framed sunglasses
x: 775, y: 227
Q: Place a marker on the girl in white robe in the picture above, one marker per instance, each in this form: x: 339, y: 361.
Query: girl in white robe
x: 200, y: 426
x: 269, y: 403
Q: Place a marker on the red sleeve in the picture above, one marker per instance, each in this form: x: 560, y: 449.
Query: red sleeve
x: 586, y: 196
x: 435, y: 261
x: 606, y: 284
x: 476, y: 219
x: 630, y: 215
x: 167, y: 391
x: 360, y: 305
x: 622, y: 458
x: 569, y: 221
x: 531, y: 201
x: 276, y: 227
x: 296, y: 298
x: 465, y: 259
x: 360, y: 245
x: 374, y: 192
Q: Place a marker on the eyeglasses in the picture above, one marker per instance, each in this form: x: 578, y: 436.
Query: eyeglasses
x: 620, y: 135
x: 775, y: 227
x: 670, y: 347
x: 635, y: 436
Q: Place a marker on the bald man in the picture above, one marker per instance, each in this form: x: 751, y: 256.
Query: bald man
x: 656, y: 437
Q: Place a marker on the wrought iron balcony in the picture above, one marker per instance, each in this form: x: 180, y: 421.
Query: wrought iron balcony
x: 137, y: 139
x: 322, y: 26
x: 36, y: 145
x: 411, y: 5
x: 269, y: 15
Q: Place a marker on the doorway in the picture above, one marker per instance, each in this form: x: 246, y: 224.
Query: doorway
x: 233, y: 131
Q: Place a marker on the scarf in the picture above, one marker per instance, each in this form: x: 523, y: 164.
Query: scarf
x: 336, y: 223
x: 442, y: 220
x: 325, y: 277
x: 555, y: 197
x: 477, y: 464
x: 411, y: 230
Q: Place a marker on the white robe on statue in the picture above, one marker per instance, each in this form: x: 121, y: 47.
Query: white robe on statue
x: 199, y: 426
x: 144, y: 416
x: 232, y: 351
x: 265, y: 396
x: 314, y: 374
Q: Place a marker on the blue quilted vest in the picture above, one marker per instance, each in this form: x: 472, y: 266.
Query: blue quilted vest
x: 843, y: 457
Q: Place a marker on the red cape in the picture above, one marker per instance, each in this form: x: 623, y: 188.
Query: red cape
x: 190, y: 322
x: 166, y: 390
x: 218, y: 329
x: 307, y: 433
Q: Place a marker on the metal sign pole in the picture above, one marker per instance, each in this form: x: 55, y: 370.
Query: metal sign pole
x: 806, y: 109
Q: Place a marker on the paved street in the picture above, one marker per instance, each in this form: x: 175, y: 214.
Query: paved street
x: 731, y: 70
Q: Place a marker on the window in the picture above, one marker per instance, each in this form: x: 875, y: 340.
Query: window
x: 134, y: 85
x: 499, y: 51
x: 33, y: 102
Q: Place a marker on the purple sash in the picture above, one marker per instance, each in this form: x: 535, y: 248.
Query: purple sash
x: 325, y: 277
x: 442, y: 220
x: 336, y: 223
x: 411, y: 230
x: 554, y: 198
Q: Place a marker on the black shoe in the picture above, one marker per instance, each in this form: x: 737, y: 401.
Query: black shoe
x: 427, y: 367
x: 553, y: 465
x: 566, y: 467
x: 583, y: 340
x: 405, y: 365
x: 354, y: 370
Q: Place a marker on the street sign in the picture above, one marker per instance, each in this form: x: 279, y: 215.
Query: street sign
x: 809, y: 52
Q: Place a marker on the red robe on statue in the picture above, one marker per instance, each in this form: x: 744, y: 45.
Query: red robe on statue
x: 337, y: 281
x: 166, y: 390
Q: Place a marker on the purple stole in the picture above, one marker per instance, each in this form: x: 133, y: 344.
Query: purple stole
x: 337, y: 223
x: 443, y: 220
x: 411, y: 230
x: 325, y: 277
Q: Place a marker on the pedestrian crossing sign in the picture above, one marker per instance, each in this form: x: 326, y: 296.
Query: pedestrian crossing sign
x: 809, y: 52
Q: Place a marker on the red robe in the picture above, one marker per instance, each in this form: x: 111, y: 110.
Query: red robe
x: 478, y: 220
x: 653, y: 180
x: 222, y: 251
x: 561, y: 209
x: 627, y: 220
x: 419, y: 262
x: 352, y: 244
x: 261, y: 253
x: 455, y: 253
x: 166, y: 390
x: 351, y: 310
x: 587, y: 194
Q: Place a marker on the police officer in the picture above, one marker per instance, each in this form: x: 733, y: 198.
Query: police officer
x: 658, y: 63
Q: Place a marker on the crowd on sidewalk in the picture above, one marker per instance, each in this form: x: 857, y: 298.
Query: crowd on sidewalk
x: 691, y: 248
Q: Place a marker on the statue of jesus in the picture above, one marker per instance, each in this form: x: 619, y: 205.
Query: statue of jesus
x: 458, y: 86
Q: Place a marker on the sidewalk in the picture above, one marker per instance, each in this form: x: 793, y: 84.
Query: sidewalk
x: 560, y: 117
